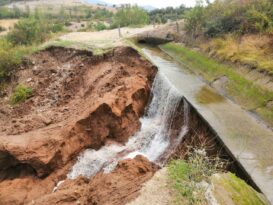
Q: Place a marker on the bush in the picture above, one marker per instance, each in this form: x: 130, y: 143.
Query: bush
x: 100, y: 26
x: 230, y: 16
x: 57, y: 27
x: 131, y: 16
x: 33, y: 30
x: 10, y: 58
x: 27, y: 31
x: 20, y: 94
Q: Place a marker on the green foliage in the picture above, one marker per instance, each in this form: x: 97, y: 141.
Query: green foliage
x: 100, y: 26
x: 33, y: 30
x: 226, y: 16
x: 131, y: 16
x: 15, y: 12
x: 20, y: 94
x: 10, y: 57
x: 27, y: 31
x: 187, y: 176
x: 162, y: 15
x: 195, y: 19
x: 235, y: 190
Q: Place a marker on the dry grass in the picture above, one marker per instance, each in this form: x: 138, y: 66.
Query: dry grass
x: 253, y: 50
x: 7, y: 24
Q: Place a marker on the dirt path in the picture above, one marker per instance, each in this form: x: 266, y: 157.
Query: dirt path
x: 104, y: 39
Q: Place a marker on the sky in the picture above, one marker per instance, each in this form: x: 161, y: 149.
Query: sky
x: 154, y: 3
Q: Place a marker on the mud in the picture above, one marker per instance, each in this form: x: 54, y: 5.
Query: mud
x: 116, y: 188
x: 79, y: 101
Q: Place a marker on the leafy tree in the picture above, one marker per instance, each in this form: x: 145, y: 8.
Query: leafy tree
x: 131, y: 16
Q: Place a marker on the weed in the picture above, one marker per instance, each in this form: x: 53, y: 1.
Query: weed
x: 20, y: 94
x: 186, y: 176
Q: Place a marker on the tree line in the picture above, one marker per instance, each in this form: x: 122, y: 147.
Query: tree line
x: 230, y: 16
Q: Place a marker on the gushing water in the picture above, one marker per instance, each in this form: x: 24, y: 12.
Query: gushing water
x: 152, y: 140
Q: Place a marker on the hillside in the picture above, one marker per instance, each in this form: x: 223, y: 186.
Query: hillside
x: 49, y: 3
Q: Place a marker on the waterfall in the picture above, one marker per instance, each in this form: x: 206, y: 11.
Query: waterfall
x: 153, y: 139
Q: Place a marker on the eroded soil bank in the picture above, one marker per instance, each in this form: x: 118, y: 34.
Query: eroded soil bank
x: 79, y: 101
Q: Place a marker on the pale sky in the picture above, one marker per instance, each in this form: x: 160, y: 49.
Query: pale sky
x: 155, y: 3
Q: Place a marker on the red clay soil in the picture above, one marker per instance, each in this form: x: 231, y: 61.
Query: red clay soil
x: 80, y: 101
x: 116, y: 188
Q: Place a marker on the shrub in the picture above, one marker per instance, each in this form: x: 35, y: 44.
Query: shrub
x: 10, y: 57
x: 131, y: 16
x: 33, y: 30
x: 100, y: 26
x: 20, y: 94
x: 57, y: 27
x: 27, y: 31
x: 186, y: 176
x: 230, y: 16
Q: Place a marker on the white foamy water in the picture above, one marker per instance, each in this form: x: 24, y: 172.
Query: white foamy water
x: 151, y: 141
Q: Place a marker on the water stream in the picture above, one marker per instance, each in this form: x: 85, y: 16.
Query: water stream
x: 153, y: 139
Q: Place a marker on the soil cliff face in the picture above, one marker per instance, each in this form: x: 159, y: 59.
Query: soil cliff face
x: 80, y: 101
x: 116, y: 188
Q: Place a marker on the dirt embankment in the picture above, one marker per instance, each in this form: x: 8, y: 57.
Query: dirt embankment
x: 80, y: 101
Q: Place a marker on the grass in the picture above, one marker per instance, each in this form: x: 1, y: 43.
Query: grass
x: 246, y: 93
x: 190, y: 180
x: 11, y: 57
x: 238, y: 190
x: 20, y: 94
x: 186, y: 176
x: 253, y: 50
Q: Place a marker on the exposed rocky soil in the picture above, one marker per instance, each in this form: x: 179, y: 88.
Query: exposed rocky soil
x: 116, y: 188
x: 80, y: 101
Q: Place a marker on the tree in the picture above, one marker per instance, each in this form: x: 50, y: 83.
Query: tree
x: 131, y: 16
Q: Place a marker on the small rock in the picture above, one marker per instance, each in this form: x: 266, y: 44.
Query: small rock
x: 29, y: 80
x: 47, y: 121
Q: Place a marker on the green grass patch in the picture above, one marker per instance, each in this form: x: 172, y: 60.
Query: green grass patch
x: 11, y: 57
x: 20, y: 94
x: 236, y: 189
x: 186, y: 176
x: 243, y: 91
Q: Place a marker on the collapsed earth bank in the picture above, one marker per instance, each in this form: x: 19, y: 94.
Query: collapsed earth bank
x: 79, y: 101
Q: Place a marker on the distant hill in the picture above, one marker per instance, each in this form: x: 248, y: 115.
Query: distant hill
x: 56, y: 3
x: 97, y: 2
x: 149, y: 7
x: 146, y: 7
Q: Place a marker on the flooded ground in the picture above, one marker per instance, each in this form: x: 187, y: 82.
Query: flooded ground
x: 248, y: 140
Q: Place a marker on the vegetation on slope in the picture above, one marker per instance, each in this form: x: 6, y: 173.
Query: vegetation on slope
x: 187, y: 177
x: 236, y: 31
x: 245, y: 92
x: 169, y: 13
x: 226, y: 16
x: 22, y: 40
x: 130, y: 16
x: 20, y: 94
